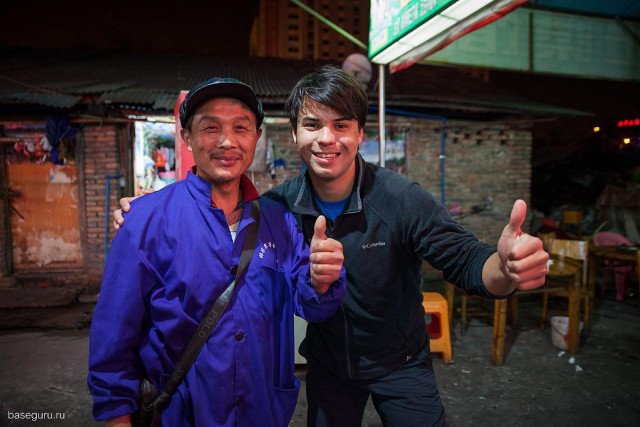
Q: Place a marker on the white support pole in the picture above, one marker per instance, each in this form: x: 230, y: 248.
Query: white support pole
x: 381, y: 115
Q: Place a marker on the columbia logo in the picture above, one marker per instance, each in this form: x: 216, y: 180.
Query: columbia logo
x: 372, y: 245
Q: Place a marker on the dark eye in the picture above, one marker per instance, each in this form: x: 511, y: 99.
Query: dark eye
x: 210, y: 128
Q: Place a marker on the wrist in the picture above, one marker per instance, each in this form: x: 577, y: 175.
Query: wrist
x: 320, y: 289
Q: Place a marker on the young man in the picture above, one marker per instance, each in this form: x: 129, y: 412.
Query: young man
x: 376, y: 344
x: 179, y: 252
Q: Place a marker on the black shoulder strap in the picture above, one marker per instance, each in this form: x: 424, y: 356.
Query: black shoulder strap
x: 211, y: 319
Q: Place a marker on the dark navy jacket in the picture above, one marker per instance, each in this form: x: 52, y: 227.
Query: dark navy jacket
x: 388, y: 227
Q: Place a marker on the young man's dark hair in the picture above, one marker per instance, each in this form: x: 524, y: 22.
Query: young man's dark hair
x: 344, y: 93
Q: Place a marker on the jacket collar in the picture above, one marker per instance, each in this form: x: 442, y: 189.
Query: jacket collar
x: 201, y: 188
x: 249, y: 191
x: 305, y: 204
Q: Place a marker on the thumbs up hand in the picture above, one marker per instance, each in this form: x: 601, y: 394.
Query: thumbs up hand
x: 326, y: 257
x: 522, y: 257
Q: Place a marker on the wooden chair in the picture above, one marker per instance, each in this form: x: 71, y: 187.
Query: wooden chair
x: 547, y: 238
x: 482, y: 308
x: 568, y: 251
x: 559, y: 282
x: 571, y: 223
x: 512, y: 311
x: 450, y: 290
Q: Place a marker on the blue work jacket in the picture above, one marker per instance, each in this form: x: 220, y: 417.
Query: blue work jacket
x: 167, y: 265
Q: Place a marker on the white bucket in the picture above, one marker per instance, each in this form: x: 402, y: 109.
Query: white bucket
x: 560, y: 331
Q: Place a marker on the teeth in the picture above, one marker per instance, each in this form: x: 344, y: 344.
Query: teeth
x: 326, y: 156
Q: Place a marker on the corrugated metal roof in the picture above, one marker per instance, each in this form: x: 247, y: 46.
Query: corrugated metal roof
x: 134, y: 78
x: 89, y: 88
x: 55, y: 100
x: 152, y: 82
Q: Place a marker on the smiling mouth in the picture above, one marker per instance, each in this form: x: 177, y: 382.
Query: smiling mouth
x: 326, y: 156
x: 223, y: 157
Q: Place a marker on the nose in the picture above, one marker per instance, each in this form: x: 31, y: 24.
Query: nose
x: 226, y: 140
x: 325, y: 136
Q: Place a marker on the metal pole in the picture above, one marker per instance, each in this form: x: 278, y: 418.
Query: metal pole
x: 443, y: 157
x: 381, y: 115
x: 363, y: 46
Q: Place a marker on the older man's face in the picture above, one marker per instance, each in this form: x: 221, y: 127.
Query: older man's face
x: 223, y: 138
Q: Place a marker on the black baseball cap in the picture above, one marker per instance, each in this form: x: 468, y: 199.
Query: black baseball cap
x: 220, y: 87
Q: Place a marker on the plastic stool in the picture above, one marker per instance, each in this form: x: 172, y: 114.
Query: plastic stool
x: 435, y: 305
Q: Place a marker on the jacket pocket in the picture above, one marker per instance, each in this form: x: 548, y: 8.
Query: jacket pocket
x: 284, y: 403
x: 275, y: 294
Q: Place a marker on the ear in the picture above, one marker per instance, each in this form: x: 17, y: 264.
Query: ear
x: 360, y: 135
x: 186, y: 137
x: 293, y: 134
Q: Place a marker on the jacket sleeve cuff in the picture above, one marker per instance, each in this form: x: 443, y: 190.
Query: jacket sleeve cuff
x: 103, y: 411
x: 314, y: 307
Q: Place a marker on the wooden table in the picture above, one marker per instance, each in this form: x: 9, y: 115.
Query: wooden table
x: 567, y: 268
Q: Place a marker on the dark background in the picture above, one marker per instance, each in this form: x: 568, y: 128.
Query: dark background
x: 571, y: 163
x: 200, y: 27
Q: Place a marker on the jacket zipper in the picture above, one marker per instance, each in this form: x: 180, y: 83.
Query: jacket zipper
x: 331, y: 226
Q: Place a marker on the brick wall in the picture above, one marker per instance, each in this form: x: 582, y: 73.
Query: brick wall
x: 4, y: 229
x: 286, y: 31
x: 280, y: 137
x: 4, y: 218
x: 483, y: 160
x: 101, y: 159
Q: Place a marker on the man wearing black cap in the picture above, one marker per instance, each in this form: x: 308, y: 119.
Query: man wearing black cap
x: 179, y: 252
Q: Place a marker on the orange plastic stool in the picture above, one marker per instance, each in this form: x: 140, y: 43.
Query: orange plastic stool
x: 436, y: 306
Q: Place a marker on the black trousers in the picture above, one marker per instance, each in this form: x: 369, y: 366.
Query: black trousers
x: 406, y: 397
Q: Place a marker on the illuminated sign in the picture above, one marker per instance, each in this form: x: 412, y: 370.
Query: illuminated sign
x: 392, y: 19
x: 628, y: 122
x: 403, y: 32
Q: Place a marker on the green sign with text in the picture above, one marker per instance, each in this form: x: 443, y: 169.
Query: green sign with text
x: 390, y: 20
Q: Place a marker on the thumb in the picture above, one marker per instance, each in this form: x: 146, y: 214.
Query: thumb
x: 518, y: 215
x: 320, y: 228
